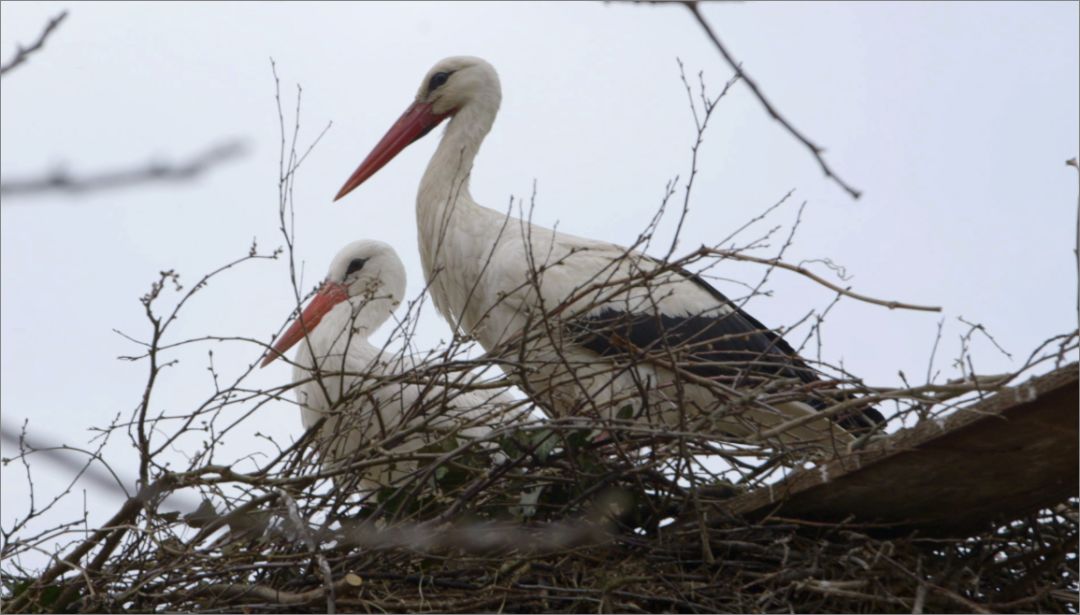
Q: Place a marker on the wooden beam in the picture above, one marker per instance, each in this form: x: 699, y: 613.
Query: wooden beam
x: 999, y: 459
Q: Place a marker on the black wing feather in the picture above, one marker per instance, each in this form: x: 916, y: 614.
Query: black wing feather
x: 734, y: 348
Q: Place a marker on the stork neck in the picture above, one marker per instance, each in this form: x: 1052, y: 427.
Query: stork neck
x: 449, y: 223
x: 447, y: 177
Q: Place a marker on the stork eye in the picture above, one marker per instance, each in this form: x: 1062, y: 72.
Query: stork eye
x: 437, y: 80
x: 355, y: 265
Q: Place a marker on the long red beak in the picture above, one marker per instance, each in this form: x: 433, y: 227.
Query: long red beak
x: 328, y: 296
x: 416, y: 122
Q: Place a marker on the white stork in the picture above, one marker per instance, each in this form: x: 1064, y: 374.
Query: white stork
x: 342, y: 377
x: 501, y: 279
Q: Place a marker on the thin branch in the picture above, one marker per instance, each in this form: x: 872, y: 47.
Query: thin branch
x: 22, y: 53
x: 815, y: 149
x: 106, y: 480
x: 772, y: 262
x: 62, y: 181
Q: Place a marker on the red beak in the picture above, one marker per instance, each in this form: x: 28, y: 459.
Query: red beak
x: 416, y: 122
x: 328, y: 296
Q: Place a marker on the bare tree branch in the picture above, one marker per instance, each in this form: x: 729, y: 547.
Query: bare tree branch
x: 106, y: 480
x: 816, y: 150
x: 61, y: 181
x: 22, y: 53
x: 772, y: 262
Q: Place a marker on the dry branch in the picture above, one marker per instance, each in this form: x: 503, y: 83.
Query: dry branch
x: 23, y: 53
x: 64, y: 182
x: 847, y: 292
x: 815, y: 149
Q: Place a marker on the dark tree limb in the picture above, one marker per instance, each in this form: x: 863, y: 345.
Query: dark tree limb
x: 22, y: 53
x: 815, y: 149
x: 62, y: 181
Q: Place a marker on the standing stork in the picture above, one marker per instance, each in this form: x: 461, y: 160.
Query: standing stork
x: 349, y: 383
x: 584, y: 337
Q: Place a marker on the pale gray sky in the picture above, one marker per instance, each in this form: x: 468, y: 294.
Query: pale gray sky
x: 954, y: 119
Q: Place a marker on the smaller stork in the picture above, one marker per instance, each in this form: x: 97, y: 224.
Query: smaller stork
x: 349, y: 384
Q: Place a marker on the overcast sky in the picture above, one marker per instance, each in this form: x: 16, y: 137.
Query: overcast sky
x: 954, y: 120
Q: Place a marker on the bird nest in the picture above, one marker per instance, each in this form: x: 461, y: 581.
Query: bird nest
x: 540, y: 518
x: 1027, y: 565
x: 540, y: 515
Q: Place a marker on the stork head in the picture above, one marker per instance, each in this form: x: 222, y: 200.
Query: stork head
x: 450, y: 86
x: 455, y: 82
x: 366, y: 278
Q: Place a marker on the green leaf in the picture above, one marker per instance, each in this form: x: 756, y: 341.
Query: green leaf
x: 449, y: 444
x: 252, y: 524
x: 202, y: 515
x: 49, y: 595
x: 544, y: 442
x: 625, y: 413
x: 385, y: 494
x: 18, y: 587
x: 579, y: 438
x: 390, y: 499
x: 510, y: 445
x: 171, y: 517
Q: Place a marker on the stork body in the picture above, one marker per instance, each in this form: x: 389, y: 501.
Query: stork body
x: 601, y: 345
x: 348, y: 383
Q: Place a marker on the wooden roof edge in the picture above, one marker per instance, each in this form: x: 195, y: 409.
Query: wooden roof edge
x: 1001, y: 400
x: 997, y: 403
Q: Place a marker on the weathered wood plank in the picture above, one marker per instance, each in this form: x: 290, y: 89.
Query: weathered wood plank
x: 998, y: 459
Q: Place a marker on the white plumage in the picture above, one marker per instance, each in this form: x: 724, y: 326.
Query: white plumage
x: 343, y: 378
x: 600, y: 348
